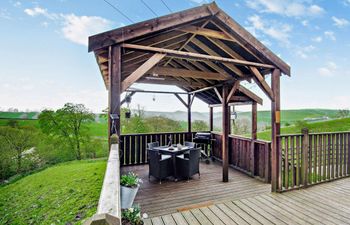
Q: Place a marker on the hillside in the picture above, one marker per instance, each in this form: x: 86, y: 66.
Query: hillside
x: 62, y: 194
x: 324, y: 126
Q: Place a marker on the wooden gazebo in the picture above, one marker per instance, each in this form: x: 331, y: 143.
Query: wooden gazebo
x: 204, y: 52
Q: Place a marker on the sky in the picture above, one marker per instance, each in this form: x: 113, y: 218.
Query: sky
x: 44, y: 61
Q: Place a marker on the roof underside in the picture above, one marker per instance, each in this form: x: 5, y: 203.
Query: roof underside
x: 204, y: 30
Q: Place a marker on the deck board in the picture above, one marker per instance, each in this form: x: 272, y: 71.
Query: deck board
x: 308, y: 206
x: 166, y: 198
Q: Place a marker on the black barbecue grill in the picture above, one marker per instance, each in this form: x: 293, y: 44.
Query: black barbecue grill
x: 204, y: 138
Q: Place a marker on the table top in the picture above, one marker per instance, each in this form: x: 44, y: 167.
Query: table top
x: 166, y: 149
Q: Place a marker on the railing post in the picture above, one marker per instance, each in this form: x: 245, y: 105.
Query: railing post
x: 304, y: 157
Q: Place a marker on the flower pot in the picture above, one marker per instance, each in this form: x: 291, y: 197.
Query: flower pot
x: 127, y: 196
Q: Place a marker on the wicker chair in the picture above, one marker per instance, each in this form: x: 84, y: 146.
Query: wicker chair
x: 159, y: 167
x: 187, y: 167
x: 152, y: 145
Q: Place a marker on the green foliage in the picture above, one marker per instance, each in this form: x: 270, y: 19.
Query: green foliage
x: 301, y: 124
x: 343, y: 113
x: 12, y: 123
x: 64, y: 194
x: 163, y: 124
x: 18, y: 145
x: 132, y: 216
x: 68, y: 123
x: 129, y: 180
x: 199, y: 125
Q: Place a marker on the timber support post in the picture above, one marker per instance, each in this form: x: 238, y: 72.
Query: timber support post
x: 254, y: 137
x: 189, y: 119
x: 276, y: 177
x: 211, y: 124
x: 114, y: 67
x: 304, y: 157
x: 225, y: 133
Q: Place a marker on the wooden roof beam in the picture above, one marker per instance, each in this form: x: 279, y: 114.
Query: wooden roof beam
x: 123, y: 34
x: 195, y: 56
x: 168, y: 71
x: 233, y: 90
x: 139, y: 72
x: 206, y: 32
x: 250, y: 94
x: 171, y: 81
x: 210, y: 51
x: 260, y: 81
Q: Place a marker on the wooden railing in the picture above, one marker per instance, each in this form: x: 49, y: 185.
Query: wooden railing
x: 250, y: 156
x: 109, y: 210
x: 308, y: 159
x: 134, y: 146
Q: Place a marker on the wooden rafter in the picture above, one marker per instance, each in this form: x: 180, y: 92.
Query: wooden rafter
x: 210, y: 51
x: 260, y: 81
x: 181, y: 100
x: 205, y: 32
x: 188, y: 41
x: 195, y: 56
x: 161, y: 23
x: 171, y: 81
x: 233, y: 90
x: 139, y: 72
x: 250, y: 94
x: 218, y: 94
x: 168, y: 71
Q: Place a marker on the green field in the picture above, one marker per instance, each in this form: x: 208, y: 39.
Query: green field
x: 325, y: 126
x: 64, y: 194
x: 291, y: 116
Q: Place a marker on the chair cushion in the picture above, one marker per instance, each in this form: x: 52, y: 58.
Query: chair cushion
x: 166, y: 157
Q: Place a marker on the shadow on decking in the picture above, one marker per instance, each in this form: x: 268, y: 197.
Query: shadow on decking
x: 160, y: 199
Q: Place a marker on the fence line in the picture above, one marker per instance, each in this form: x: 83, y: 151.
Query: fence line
x: 313, y: 158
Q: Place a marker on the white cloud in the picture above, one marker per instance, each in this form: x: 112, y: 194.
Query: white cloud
x: 305, y: 23
x: 78, y: 28
x: 316, y: 10
x: 4, y: 14
x: 330, y: 35
x: 317, y: 39
x: 328, y: 70
x: 17, y: 4
x: 291, y: 8
x: 303, y: 52
x: 74, y: 28
x: 340, y: 22
x: 38, y: 11
x: 277, y: 31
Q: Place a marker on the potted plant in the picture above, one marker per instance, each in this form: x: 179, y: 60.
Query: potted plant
x: 130, y: 184
x: 132, y: 216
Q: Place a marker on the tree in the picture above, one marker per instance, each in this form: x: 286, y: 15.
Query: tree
x: 343, y: 113
x: 163, y: 124
x: 199, y: 125
x: 17, y: 141
x: 68, y: 123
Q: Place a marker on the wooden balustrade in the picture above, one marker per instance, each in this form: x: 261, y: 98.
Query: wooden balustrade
x: 247, y: 155
x: 309, y: 159
x: 109, y: 210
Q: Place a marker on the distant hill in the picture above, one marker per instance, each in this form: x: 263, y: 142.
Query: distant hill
x: 264, y: 117
x: 287, y: 116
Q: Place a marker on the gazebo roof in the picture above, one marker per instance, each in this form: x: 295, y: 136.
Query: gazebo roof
x: 193, y: 49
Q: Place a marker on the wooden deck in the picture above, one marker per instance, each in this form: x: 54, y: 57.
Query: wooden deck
x: 159, y: 199
x: 327, y: 203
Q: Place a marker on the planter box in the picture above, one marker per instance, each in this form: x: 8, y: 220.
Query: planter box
x: 127, y: 196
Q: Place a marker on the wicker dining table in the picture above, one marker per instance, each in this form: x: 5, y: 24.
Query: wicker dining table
x: 173, y: 151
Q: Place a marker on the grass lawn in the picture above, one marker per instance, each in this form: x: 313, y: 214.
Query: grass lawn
x: 64, y: 194
x: 325, y: 126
